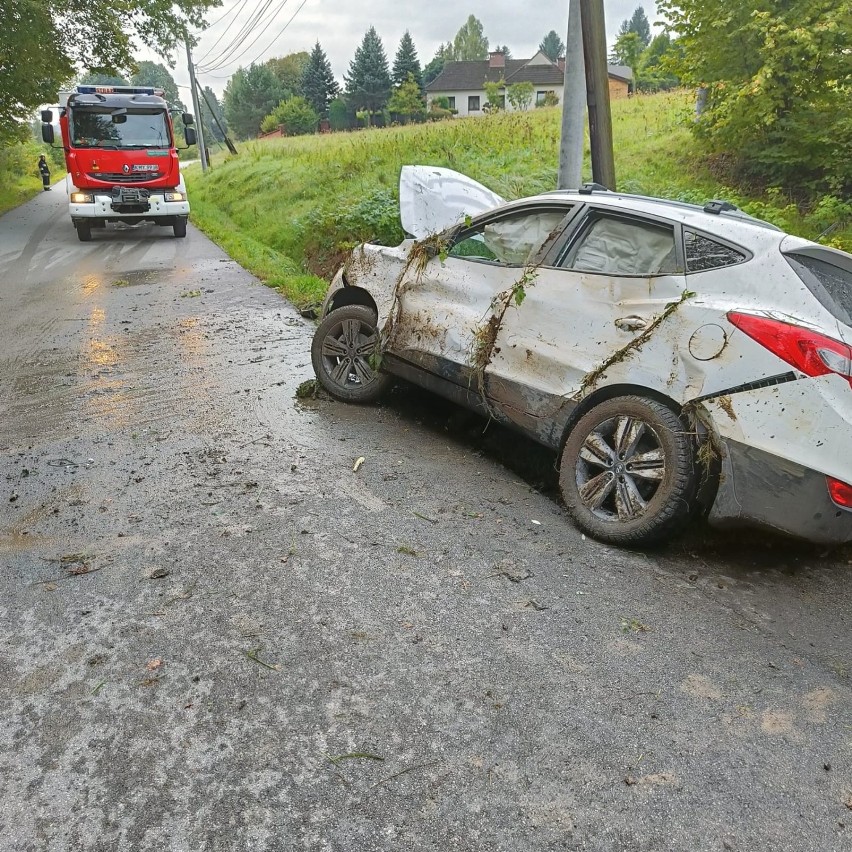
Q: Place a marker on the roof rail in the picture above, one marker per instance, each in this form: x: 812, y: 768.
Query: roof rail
x: 716, y: 206
x: 589, y: 188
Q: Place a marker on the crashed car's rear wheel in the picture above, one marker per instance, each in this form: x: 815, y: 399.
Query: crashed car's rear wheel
x: 344, y: 353
x: 628, y: 471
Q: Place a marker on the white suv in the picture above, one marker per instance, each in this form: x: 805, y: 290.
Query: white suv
x: 678, y: 358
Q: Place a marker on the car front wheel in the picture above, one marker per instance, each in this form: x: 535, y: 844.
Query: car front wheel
x: 344, y: 353
x: 627, y: 472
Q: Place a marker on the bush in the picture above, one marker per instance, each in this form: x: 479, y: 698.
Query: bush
x: 297, y: 116
x: 338, y: 115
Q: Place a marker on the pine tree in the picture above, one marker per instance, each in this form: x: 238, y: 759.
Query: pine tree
x: 406, y: 62
x: 251, y: 94
x: 504, y: 49
x: 319, y: 87
x: 368, y: 83
x: 638, y: 24
x: 443, y: 55
x: 552, y: 46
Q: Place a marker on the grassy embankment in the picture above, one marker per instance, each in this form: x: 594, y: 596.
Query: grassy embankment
x: 288, y: 209
x: 19, y: 177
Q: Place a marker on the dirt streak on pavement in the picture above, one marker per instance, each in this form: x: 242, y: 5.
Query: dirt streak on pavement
x: 214, y: 635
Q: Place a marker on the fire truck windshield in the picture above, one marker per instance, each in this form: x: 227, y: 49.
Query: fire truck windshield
x: 91, y: 127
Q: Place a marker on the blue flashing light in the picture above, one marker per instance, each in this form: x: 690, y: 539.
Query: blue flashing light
x: 118, y: 90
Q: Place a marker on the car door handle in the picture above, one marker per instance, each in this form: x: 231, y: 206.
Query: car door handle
x: 631, y: 323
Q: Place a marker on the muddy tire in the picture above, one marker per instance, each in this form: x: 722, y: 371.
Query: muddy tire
x: 627, y: 472
x: 179, y: 226
x: 84, y: 232
x: 341, y: 352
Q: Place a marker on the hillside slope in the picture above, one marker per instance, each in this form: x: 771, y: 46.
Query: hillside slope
x: 289, y: 209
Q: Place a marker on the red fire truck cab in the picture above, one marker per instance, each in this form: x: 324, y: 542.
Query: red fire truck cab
x: 121, y: 157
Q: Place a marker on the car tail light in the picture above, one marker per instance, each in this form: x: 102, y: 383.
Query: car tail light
x: 840, y: 492
x: 810, y: 352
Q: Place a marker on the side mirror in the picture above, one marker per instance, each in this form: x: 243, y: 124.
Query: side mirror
x: 188, y: 118
x: 47, y: 116
x: 189, y: 135
x: 47, y: 133
x: 121, y: 118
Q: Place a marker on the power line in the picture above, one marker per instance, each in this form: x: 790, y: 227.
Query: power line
x: 259, y: 21
x: 268, y: 46
x: 219, y: 19
x: 238, y: 8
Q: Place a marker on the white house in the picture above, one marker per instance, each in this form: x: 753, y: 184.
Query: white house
x: 463, y: 83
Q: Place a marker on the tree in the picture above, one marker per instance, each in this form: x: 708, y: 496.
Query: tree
x: 44, y: 42
x: 407, y: 100
x: 627, y: 50
x: 495, y: 95
x: 289, y: 70
x: 520, y: 95
x: 406, y: 63
x: 318, y: 85
x: 504, y: 49
x: 368, y: 83
x: 443, y: 55
x: 470, y: 41
x: 210, y: 126
x: 338, y: 115
x: 297, y: 116
x: 102, y: 80
x: 638, y: 24
x: 778, y: 84
x: 653, y: 74
x: 157, y: 75
x: 552, y: 46
x: 251, y: 94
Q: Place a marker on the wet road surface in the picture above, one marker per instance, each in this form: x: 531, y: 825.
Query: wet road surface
x: 216, y: 636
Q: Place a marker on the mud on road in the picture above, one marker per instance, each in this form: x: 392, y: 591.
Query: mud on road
x: 216, y: 635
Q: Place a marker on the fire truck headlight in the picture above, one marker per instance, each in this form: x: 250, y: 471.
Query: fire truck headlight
x: 175, y: 196
x: 82, y: 198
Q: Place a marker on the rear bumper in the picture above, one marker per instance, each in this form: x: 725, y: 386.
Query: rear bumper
x: 760, y: 489
x: 101, y: 208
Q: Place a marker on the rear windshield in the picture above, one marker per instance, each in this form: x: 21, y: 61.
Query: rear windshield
x: 831, y: 284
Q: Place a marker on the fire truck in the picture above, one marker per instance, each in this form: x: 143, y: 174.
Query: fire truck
x: 121, y: 157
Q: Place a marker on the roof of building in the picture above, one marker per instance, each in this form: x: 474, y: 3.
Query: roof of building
x: 472, y: 75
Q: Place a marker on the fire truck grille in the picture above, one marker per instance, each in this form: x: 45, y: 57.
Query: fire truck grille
x: 120, y: 177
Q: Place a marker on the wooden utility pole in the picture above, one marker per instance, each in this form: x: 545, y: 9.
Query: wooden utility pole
x: 573, y: 104
x: 196, y: 107
x: 597, y: 92
x: 231, y: 146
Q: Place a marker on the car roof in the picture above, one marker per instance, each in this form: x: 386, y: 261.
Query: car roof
x: 709, y: 217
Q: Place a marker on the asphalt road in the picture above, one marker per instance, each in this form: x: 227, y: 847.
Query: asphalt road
x: 214, y: 635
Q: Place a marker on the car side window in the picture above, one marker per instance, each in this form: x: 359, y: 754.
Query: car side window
x: 610, y: 245
x: 703, y: 253
x: 511, y: 241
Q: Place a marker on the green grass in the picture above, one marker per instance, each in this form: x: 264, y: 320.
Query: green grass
x: 19, y: 177
x: 290, y: 209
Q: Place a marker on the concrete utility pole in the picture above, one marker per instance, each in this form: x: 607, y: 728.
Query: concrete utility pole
x: 597, y: 92
x: 573, y: 104
x: 196, y: 108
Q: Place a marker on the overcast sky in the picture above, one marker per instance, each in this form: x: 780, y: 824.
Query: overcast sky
x: 339, y: 25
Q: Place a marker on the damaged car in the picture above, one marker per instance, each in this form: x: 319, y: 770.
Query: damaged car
x: 679, y: 359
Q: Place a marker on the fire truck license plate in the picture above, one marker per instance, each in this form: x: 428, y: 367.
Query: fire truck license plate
x: 145, y: 168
